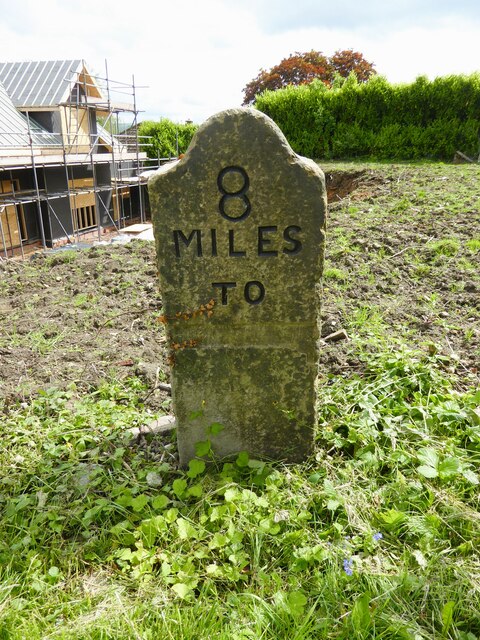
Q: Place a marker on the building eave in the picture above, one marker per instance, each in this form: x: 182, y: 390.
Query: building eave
x: 19, y: 160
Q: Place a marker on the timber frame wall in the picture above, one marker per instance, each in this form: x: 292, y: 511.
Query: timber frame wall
x: 92, y: 181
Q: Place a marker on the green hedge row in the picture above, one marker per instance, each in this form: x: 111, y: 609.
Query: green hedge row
x: 165, y: 139
x: 379, y: 120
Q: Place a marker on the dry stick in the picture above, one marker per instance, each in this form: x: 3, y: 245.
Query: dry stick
x: 415, y: 246
x: 163, y: 386
x: 399, y: 253
x: 119, y: 315
x: 336, y: 336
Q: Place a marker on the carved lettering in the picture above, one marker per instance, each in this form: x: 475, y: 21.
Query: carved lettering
x: 224, y: 286
x: 263, y: 241
x: 259, y: 294
x: 228, y: 205
x: 295, y: 242
x: 179, y: 235
x: 253, y: 292
x: 231, y: 246
x: 266, y: 242
x: 213, y: 234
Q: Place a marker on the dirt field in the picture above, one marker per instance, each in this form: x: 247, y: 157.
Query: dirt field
x: 403, y: 258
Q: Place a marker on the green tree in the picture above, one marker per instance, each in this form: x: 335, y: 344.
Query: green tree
x: 165, y: 139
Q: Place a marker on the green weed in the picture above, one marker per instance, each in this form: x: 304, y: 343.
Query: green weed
x: 97, y: 529
x: 45, y: 340
x: 332, y: 273
x: 63, y: 257
x: 473, y: 245
x: 375, y: 536
x: 445, y: 247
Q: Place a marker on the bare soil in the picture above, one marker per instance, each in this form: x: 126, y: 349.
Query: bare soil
x: 403, y: 260
x: 81, y: 317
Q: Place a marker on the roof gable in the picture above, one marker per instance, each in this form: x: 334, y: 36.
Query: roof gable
x: 45, y: 83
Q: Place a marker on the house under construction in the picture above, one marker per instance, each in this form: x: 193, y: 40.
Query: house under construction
x: 62, y: 173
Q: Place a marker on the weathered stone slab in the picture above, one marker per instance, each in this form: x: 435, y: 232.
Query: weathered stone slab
x: 239, y: 226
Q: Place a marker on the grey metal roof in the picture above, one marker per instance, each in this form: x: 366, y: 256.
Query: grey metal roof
x: 39, y: 83
x: 14, y: 127
x: 105, y: 137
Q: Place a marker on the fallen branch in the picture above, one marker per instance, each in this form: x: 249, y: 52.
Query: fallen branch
x: 336, y: 336
x: 413, y: 246
x: 462, y: 157
x: 163, y: 425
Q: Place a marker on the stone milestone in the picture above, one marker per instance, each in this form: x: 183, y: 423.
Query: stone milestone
x: 239, y: 226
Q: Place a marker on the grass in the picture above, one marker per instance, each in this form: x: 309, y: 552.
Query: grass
x: 332, y: 273
x: 375, y: 536
x: 445, y: 247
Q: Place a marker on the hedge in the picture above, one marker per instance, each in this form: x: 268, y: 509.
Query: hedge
x: 166, y: 139
x: 376, y: 119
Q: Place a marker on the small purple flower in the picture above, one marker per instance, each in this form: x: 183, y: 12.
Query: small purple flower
x: 348, y: 566
x: 377, y: 536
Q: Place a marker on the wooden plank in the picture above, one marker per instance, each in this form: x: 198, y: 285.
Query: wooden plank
x: 9, y: 186
x: 76, y: 130
x: 11, y: 228
x: 82, y: 200
x: 79, y: 183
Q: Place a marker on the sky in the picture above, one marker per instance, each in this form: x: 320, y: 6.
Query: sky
x: 191, y: 58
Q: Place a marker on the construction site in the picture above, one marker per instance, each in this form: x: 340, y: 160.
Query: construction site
x: 71, y: 164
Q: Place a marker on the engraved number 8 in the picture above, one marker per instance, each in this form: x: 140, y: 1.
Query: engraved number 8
x: 239, y: 193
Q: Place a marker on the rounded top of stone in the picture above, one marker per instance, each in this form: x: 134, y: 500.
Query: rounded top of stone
x: 239, y: 112
x: 250, y: 115
x: 239, y: 131
x: 253, y: 127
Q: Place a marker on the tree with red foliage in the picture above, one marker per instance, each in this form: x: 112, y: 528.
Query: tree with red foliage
x: 303, y: 68
x: 346, y: 61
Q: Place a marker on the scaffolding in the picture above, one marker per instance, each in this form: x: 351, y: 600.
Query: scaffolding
x: 113, y: 161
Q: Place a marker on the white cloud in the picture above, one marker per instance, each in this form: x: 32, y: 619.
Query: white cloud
x: 196, y: 57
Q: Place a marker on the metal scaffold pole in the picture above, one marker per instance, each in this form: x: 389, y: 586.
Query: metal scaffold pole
x: 113, y: 165
x: 17, y: 220
x: 35, y: 180
x: 137, y: 152
x: 92, y: 162
x: 51, y: 209
x: 4, y: 242
x: 71, y: 200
